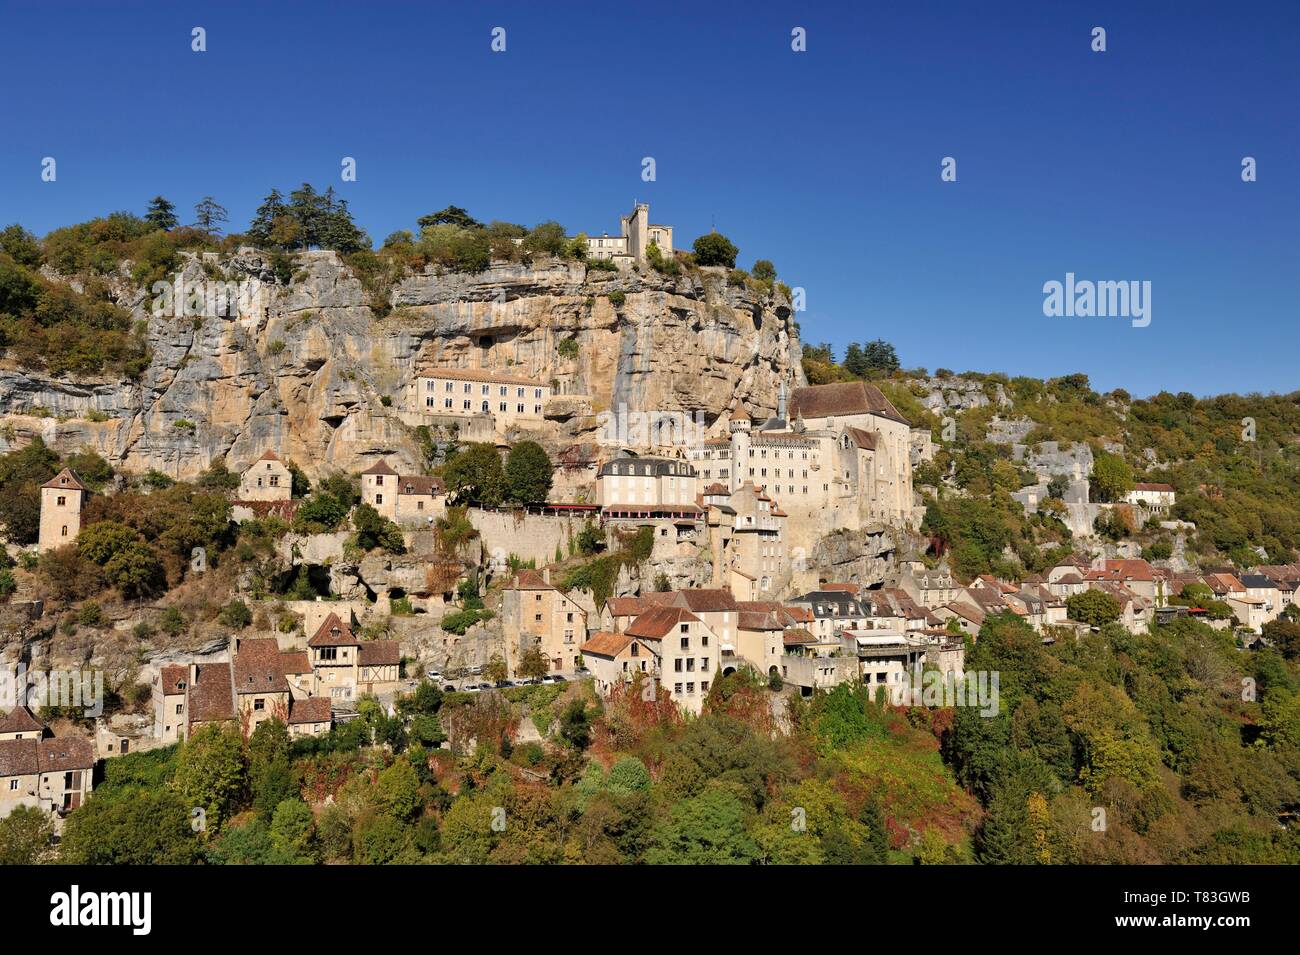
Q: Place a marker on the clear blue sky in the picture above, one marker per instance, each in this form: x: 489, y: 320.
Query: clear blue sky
x: 1122, y: 165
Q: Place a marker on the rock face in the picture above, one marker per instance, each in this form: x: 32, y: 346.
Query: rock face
x: 308, y: 369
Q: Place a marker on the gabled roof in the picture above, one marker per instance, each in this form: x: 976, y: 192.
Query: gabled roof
x: 21, y: 720
x: 631, y: 606
x: 379, y: 467
x: 841, y: 398
x: 66, y: 479
x: 1140, y: 486
x: 333, y: 632
x: 211, y: 696
x: 529, y: 580
x: 658, y: 622
x: 379, y: 653
x: 269, y: 456
x: 602, y: 643
x: 173, y: 678
x: 294, y: 662
x: 258, y: 667
x: 313, y: 709
x: 414, y: 484
x: 706, y: 599
x: 19, y: 757
x: 60, y: 754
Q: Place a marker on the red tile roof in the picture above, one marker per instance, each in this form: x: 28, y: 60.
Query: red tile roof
x: 67, y: 478
x: 379, y: 467
x: 294, y: 662
x: 21, y: 720
x: 19, y: 757
x: 839, y: 399
x: 605, y: 644
x: 172, y: 678
x: 529, y: 580
x: 211, y: 696
x: 379, y: 653
x: 258, y: 667
x: 658, y: 622
x: 313, y: 709
x: 333, y: 632
x: 64, y: 753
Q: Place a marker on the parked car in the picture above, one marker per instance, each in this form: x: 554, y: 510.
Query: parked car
x: 475, y: 670
x: 432, y: 674
x: 472, y: 688
x: 449, y: 688
x: 549, y: 679
x: 558, y: 679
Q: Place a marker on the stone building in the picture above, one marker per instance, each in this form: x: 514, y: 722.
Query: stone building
x: 842, y: 460
x: 505, y: 399
x: 62, y: 498
x: 536, y: 614
x: 266, y: 479
x: 39, y: 769
x: 636, y: 233
x: 409, y: 500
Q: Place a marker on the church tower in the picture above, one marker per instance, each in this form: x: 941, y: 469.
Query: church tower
x: 740, y: 438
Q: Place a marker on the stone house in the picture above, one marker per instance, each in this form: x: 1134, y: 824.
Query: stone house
x: 266, y: 479
x: 39, y: 769
x: 536, y: 614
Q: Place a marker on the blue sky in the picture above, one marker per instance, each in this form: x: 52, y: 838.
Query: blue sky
x: 1123, y: 165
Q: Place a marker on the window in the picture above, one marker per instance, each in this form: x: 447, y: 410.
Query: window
x: 704, y: 687
x: 704, y: 664
x: 62, y: 500
x: 379, y: 480
x: 259, y: 704
x: 537, y: 618
x: 13, y: 784
x: 677, y: 665
x: 180, y: 708
x: 379, y: 499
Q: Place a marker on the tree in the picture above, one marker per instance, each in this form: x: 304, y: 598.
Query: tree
x: 1093, y: 607
x: 876, y: 847
x: 532, y: 664
x: 161, y: 214
x: 236, y: 615
x: 293, y: 831
x: 764, y: 271
x: 1283, y: 634
x: 211, y: 772
x: 1111, y: 477
x: 708, y: 829
x: 575, y: 727
x: 529, y: 473
x: 452, y: 215
x: 143, y: 827
x: 1058, y: 486
x: 26, y: 835
x: 397, y: 791
x: 475, y: 475
x: 496, y: 669
x: 208, y: 215
x: 374, y: 531
x: 715, y: 249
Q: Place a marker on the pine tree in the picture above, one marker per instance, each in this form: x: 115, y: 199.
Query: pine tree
x: 208, y: 215
x: 272, y: 208
x: 876, y: 850
x: 161, y: 214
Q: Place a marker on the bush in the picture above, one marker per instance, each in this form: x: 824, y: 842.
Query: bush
x: 235, y: 615
x: 715, y: 249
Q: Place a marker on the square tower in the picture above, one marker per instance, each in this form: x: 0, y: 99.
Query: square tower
x: 61, y: 501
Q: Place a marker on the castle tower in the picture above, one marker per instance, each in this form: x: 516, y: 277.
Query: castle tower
x: 61, y: 502
x: 740, y: 426
x: 379, y: 489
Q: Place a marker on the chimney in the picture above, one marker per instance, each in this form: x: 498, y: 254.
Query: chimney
x: 194, y: 674
x: 546, y: 575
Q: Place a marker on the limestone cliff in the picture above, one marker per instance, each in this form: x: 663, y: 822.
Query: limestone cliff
x: 306, y: 367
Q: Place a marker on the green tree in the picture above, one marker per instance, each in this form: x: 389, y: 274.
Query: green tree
x: 145, y: 827
x: 211, y: 772
x: 764, y: 271
x: 708, y: 829
x: 293, y: 831
x: 496, y: 669
x: 1111, y: 477
x: 452, y: 215
x: 529, y: 473
x: 26, y: 836
x: 1093, y: 607
x: 475, y: 475
x: 374, y: 531
x: 532, y: 664
x: 397, y: 791
x: 161, y: 214
x: 715, y: 249
x: 208, y: 215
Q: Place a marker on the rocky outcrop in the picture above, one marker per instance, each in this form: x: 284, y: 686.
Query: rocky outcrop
x: 309, y: 369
